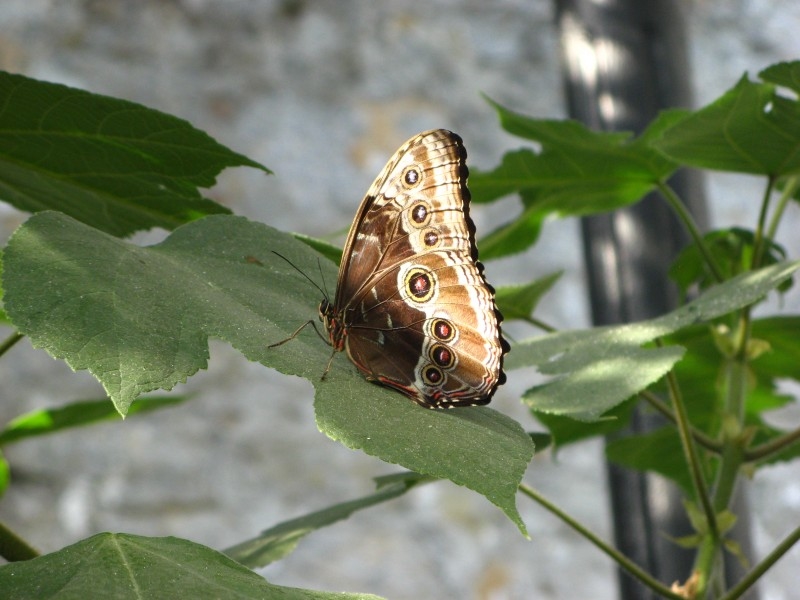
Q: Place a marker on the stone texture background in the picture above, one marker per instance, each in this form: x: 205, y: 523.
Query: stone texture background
x: 323, y: 93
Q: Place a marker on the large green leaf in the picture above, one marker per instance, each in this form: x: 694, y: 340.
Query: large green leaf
x: 749, y: 129
x: 278, y: 541
x: 577, y: 171
x: 574, y: 172
x: 659, y: 451
x: 475, y: 447
x: 699, y: 372
x: 139, y: 319
x: 110, y: 163
x: 597, y: 369
x: 122, y: 566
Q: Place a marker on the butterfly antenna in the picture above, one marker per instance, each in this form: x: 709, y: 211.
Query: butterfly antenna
x: 322, y: 278
x: 299, y: 270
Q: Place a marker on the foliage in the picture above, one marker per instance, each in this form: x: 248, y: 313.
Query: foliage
x: 95, y: 169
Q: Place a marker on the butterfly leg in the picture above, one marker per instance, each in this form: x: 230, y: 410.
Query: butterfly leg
x: 328, y: 366
x: 296, y: 332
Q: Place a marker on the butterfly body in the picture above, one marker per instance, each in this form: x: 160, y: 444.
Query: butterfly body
x: 412, y: 309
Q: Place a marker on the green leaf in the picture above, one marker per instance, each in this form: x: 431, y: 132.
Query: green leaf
x: 696, y: 516
x: 5, y: 474
x: 541, y: 440
x: 110, y: 163
x: 599, y: 368
x: 517, y: 235
x: 701, y: 368
x: 519, y: 301
x: 781, y: 332
x: 577, y: 171
x: 726, y: 521
x: 688, y: 541
x: 476, y: 447
x: 121, y: 566
x: 566, y: 430
x: 3, y: 316
x: 139, y: 319
x: 786, y: 74
x: 735, y: 549
x: 732, y: 250
x: 278, y: 541
x: 328, y: 250
x: 658, y: 451
x: 749, y: 129
x: 77, y: 414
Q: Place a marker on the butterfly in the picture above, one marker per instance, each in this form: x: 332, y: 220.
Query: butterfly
x: 412, y: 308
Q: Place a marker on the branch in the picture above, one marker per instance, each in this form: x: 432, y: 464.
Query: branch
x: 701, y: 438
x: 755, y: 574
x: 9, y: 342
x: 622, y: 560
x: 688, y: 222
x: 772, y: 446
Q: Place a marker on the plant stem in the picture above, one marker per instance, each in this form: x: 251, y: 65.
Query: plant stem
x: 710, y: 560
x: 688, y: 222
x: 9, y: 342
x: 756, y: 572
x: 13, y: 548
x: 701, y: 438
x: 758, y: 242
x: 735, y: 381
x: 622, y: 560
x: 786, y: 195
x: 541, y: 325
x: 706, y: 563
x: 772, y: 447
x: 690, y: 452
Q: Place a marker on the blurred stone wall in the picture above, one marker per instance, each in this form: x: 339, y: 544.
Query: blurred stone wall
x: 323, y: 93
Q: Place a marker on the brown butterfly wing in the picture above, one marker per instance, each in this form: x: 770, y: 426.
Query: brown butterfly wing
x: 413, y: 307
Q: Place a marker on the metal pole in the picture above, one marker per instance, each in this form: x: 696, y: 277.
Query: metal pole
x: 624, y: 60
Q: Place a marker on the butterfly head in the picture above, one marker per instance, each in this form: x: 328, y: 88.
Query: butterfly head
x: 333, y: 324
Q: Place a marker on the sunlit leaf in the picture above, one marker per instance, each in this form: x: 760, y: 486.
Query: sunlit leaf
x: 598, y: 369
x: 139, y: 319
x: 749, y: 129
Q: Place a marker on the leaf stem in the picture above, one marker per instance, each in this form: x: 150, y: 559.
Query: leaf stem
x: 690, y: 452
x: 13, y: 548
x: 758, y: 242
x: 622, y: 560
x: 701, y: 438
x: 733, y: 438
x: 772, y: 447
x: 788, y: 191
x: 9, y: 342
x: 688, y: 222
x: 756, y: 572
x: 541, y: 324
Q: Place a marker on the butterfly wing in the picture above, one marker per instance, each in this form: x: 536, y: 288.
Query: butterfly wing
x: 416, y: 311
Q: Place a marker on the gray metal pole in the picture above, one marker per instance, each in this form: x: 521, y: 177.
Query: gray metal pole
x: 624, y: 60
